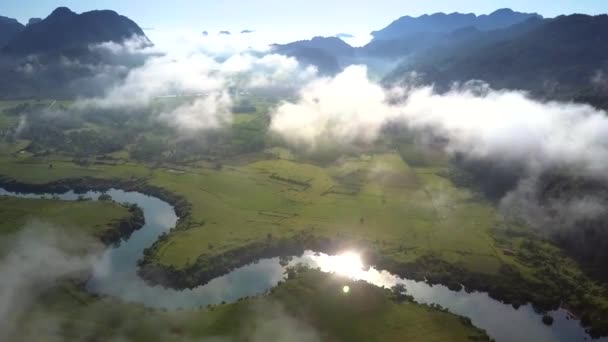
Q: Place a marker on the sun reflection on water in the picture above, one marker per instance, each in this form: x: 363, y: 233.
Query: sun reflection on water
x: 348, y: 264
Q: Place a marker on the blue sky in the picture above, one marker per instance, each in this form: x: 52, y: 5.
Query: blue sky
x: 316, y: 16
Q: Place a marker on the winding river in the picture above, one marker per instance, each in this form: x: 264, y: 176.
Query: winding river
x: 116, y: 275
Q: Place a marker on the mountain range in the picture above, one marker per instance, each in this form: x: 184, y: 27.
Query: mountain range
x: 444, y: 23
x: 557, y: 58
x: 552, y: 58
x: 563, y: 58
x: 402, y: 38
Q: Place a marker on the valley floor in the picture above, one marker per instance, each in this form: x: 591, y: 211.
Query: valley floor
x: 404, y: 215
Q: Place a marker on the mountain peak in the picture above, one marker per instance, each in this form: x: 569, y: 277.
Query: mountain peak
x: 65, y: 30
x: 322, y: 52
x: 61, y: 12
x: 503, y: 11
x: 34, y: 21
x: 334, y: 44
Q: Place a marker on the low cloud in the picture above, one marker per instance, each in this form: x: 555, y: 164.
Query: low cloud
x: 474, y: 122
x: 202, y: 81
x: 344, y: 109
x: 161, y: 76
x: 274, y: 323
x: 268, y: 71
x: 210, y: 112
x: 37, y: 258
x: 509, y: 125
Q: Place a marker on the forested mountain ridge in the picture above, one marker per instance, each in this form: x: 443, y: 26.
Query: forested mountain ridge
x: 561, y: 58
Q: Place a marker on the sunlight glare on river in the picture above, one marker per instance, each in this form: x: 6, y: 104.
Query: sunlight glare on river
x: 348, y: 264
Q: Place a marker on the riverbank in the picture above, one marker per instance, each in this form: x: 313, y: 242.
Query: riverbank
x: 508, y: 286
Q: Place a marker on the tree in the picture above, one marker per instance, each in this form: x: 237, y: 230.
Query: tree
x: 105, y: 197
x: 149, y: 149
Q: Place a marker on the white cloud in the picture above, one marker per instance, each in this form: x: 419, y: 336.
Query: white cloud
x: 476, y: 120
x: 511, y: 126
x: 135, y: 45
x: 161, y: 76
x: 345, y: 109
x: 209, y: 112
x: 271, y: 70
x: 202, y: 76
x: 38, y: 256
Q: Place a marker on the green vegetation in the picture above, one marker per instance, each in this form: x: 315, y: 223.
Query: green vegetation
x: 249, y: 196
x: 83, y: 217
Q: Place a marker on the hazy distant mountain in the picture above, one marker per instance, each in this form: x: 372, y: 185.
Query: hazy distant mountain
x: 247, y: 31
x: 438, y: 47
x: 410, y: 44
x: 328, y: 54
x: 555, y: 58
x: 9, y: 28
x: 225, y: 33
x: 64, y: 29
x: 408, y: 35
x: 332, y: 45
x: 444, y: 23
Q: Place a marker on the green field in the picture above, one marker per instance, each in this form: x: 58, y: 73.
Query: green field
x: 377, y: 198
x: 80, y: 217
x: 393, y: 198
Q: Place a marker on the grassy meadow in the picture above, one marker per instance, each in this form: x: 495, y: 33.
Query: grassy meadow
x: 79, y: 217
